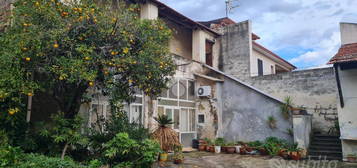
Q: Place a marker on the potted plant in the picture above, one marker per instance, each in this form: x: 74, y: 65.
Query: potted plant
x: 352, y: 158
x: 210, y: 145
x: 165, y: 135
x: 286, y: 107
x: 178, y: 155
x: 219, y: 142
x: 294, y: 152
x: 202, y: 145
x: 272, y: 122
x: 230, y: 148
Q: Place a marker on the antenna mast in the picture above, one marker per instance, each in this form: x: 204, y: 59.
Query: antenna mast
x: 230, y: 6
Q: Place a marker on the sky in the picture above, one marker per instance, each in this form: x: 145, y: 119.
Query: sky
x: 304, y: 32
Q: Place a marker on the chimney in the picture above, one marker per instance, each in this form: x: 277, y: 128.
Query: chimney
x: 348, y: 33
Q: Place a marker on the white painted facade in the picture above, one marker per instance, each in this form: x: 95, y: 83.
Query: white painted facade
x: 268, y: 64
x: 348, y: 114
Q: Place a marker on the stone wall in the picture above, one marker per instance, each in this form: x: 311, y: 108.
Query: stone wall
x: 245, y: 113
x: 236, y: 48
x: 314, y: 89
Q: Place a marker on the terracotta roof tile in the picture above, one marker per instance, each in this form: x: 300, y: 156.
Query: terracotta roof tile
x: 347, y: 53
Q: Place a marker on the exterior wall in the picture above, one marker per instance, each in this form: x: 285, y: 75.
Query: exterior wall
x: 347, y: 114
x: 267, y: 63
x: 149, y: 11
x: 181, y: 41
x: 314, y: 89
x: 348, y: 33
x: 302, y: 130
x: 199, y: 38
x: 245, y: 113
x: 236, y: 49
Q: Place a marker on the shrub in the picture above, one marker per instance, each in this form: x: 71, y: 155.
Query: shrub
x: 122, y: 151
x: 9, y: 155
x: 41, y: 161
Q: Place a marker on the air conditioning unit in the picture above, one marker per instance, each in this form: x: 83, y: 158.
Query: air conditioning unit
x: 204, y: 91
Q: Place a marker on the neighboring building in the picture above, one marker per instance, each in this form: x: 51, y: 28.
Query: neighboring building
x: 243, y: 58
x: 262, y: 61
x: 345, y: 63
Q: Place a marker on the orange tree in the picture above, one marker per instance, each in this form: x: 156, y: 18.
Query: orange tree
x: 67, y: 48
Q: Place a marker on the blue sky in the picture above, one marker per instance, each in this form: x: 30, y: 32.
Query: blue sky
x: 304, y: 32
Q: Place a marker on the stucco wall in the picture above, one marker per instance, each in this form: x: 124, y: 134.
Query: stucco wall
x: 181, y: 40
x: 314, y: 89
x: 347, y: 114
x: 267, y: 63
x: 236, y: 48
x: 245, y: 113
x: 348, y: 33
x: 302, y: 130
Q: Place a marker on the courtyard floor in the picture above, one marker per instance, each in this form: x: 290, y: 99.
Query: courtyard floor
x: 210, y: 160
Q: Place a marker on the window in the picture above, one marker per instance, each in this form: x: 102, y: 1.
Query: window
x: 201, y: 118
x: 181, y: 89
x: 209, y: 53
x: 260, y: 67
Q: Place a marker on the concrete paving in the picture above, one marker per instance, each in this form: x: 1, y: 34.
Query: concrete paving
x: 210, y: 160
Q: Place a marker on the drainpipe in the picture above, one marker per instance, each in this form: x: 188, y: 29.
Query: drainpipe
x: 339, y: 85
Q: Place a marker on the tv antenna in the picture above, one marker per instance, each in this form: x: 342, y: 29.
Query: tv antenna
x: 230, y: 5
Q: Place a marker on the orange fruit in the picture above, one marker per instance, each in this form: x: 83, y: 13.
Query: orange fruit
x: 87, y: 58
x: 91, y: 83
x: 29, y: 94
x: 55, y: 45
x: 28, y: 59
x: 11, y: 112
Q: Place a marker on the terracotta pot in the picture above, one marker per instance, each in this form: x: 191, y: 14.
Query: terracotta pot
x: 230, y: 149
x: 178, y: 161
x: 295, y: 156
x: 223, y: 149
x: 352, y: 159
x: 211, y: 149
x: 263, y: 151
x: 202, y: 147
x: 242, y: 151
x: 282, y: 152
x: 163, y: 157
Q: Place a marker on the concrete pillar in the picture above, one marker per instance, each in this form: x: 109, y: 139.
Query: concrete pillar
x: 348, y: 33
x: 302, y: 130
x: 149, y: 11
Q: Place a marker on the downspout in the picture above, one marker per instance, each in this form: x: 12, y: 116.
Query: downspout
x: 342, y: 103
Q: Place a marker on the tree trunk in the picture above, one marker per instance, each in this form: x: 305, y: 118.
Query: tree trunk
x: 64, y: 150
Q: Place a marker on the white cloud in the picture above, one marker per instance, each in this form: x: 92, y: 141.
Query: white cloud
x: 310, y: 25
x: 321, y: 53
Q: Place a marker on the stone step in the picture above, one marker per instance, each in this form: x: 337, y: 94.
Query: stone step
x: 333, y: 148
x: 312, y: 157
x: 325, y: 140
x: 325, y: 152
x: 334, y: 144
x: 326, y: 136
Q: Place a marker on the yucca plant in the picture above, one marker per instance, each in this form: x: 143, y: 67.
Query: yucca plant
x: 164, y: 134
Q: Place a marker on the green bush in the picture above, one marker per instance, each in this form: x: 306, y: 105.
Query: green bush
x: 9, y: 155
x: 122, y: 151
x: 41, y: 161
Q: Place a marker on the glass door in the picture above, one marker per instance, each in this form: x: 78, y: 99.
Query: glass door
x: 187, y: 126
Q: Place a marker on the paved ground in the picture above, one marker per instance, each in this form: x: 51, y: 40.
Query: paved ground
x: 209, y: 160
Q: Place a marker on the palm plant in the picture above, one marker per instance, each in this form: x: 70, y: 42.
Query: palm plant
x: 164, y: 134
x: 286, y: 107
